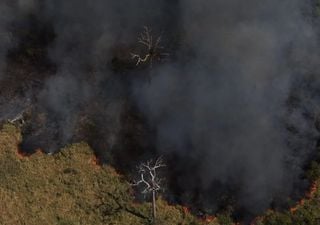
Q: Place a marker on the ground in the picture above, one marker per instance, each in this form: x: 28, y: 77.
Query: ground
x: 71, y: 188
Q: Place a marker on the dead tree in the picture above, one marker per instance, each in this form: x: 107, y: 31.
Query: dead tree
x: 153, y: 49
x: 150, y: 181
x: 19, y: 119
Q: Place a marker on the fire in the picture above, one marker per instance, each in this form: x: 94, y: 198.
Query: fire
x: 295, y: 208
x: 309, y: 195
x: 312, y: 191
x: 22, y: 155
x: 95, y: 161
x: 204, y: 219
x: 186, y: 210
x: 209, y: 219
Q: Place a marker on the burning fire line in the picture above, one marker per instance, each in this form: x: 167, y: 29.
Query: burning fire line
x: 202, y: 218
x: 313, y: 190
x: 186, y: 210
x: 23, y: 155
x: 309, y: 195
x: 209, y: 219
x: 206, y: 218
x: 96, y: 162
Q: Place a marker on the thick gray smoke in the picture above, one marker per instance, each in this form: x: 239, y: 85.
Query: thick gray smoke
x: 10, y: 11
x: 225, y: 105
x: 87, y: 35
x: 6, y: 16
x: 221, y: 105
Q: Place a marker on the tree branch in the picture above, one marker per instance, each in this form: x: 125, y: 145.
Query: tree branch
x: 152, y: 48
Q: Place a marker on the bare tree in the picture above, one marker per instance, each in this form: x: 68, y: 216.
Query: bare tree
x: 153, y: 49
x: 17, y: 119
x: 150, y: 181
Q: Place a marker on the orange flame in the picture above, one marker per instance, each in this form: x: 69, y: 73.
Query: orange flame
x: 309, y: 195
x: 299, y: 204
x: 22, y: 155
x: 186, y: 210
x: 209, y: 219
x: 95, y: 161
x: 312, y: 191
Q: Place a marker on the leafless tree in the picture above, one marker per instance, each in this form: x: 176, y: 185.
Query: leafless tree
x: 153, y: 49
x: 149, y: 180
x: 19, y: 119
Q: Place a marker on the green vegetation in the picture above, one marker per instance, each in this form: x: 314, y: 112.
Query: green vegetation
x: 306, y: 212
x: 68, y: 188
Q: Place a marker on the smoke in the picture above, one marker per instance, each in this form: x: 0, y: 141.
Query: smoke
x: 222, y: 109
x: 9, y: 12
x: 11, y: 15
x: 6, y: 16
x: 86, y: 38
x: 232, y: 109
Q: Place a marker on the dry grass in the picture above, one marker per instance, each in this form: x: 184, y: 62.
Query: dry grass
x: 68, y: 188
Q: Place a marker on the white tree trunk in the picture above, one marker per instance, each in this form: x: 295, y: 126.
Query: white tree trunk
x: 154, y: 209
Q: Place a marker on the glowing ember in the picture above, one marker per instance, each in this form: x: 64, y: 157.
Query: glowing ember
x: 186, y: 210
x: 22, y: 154
x: 312, y: 191
x: 209, y: 219
x: 95, y: 161
x: 295, y: 208
x: 309, y: 195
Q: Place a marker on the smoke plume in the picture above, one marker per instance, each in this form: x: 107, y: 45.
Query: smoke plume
x: 232, y: 108
x: 222, y: 109
x: 6, y: 16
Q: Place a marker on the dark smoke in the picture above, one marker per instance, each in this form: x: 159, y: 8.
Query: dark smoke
x: 86, y: 38
x: 6, y: 16
x: 223, y: 108
x: 233, y: 109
